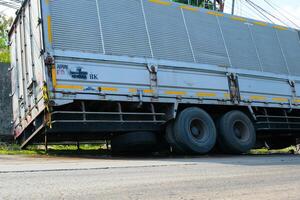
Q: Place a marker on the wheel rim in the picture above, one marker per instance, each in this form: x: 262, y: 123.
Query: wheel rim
x: 241, y: 130
x: 198, y: 129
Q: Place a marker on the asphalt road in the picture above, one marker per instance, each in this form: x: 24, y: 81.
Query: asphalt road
x: 218, y: 177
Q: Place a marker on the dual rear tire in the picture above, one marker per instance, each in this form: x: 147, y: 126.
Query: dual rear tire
x: 236, y: 133
x: 194, y: 131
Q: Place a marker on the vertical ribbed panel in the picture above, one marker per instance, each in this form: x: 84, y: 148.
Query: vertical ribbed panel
x: 174, y: 34
x: 269, y: 50
x: 291, y: 50
x: 240, y: 44
x: 75, y: 25
x: 124, y: 29
x: 167, y: 32
x: 206, y: 39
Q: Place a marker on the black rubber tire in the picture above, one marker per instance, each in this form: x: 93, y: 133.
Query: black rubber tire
x: 170, y: 137
x: 195, y: 131
x: 236, y: 133
x: 134, y: 142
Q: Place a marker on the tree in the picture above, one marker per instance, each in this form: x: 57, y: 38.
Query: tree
x: 209, y: 4
x: 5, y: 24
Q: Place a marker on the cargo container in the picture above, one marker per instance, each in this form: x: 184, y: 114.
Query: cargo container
x: 137, y: 72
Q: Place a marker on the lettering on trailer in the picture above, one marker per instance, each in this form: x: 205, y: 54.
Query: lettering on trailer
x: 61, y: 69
x: 76, y: 72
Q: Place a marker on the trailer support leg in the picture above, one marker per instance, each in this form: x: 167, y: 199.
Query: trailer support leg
x: 46, y: 143
x: 78, y: 145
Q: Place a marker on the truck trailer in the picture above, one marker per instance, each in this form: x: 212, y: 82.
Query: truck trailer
x: 140, y: 72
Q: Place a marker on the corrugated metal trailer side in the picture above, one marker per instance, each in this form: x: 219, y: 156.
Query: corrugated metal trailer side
x: 107, y: 67
x: 27, y: 66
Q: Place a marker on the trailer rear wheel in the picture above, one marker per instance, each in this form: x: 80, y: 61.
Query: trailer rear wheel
x: 195, y: 131
x: 134, y: 142
x: 170, y: 137
x: 236, y: 133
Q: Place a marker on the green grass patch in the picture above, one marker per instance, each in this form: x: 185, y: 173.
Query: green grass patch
x: 13, y: 149
x: 265, y: 151
x: 53, y: 150
x: 96, y: 150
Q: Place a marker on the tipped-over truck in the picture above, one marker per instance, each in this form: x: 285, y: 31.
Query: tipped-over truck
x: 137, y: 72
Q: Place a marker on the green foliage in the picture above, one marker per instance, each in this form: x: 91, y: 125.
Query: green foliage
x: 5, y: 24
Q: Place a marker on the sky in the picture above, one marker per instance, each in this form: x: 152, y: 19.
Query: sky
x: 289, y: 8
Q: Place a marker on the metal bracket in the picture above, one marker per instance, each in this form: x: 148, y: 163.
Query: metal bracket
x: 252, y: 113
x: 140, y: 93
x: 293, y: 88
x: 153, y: 69
x: 234, y: 87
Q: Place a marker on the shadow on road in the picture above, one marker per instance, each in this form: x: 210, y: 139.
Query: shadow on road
x: 246, y: 159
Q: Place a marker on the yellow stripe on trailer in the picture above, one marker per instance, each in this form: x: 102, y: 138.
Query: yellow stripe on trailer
x: 109, y: 89
x: 132, y: 90
x: 165, y: 3
x: 53, y: 73
x: 189, y: 8
x: 70, y: 87
x: 50, y: 35
x: 179, y: 93
x: 258, y: 98
x: 280, y: 99
x: 206, y: 94
x: 280, y: 28
x: 238, y: 19
x: 148, y: 91
x: 215, y: 14
x: 260, y: 23
x: 227, y: 96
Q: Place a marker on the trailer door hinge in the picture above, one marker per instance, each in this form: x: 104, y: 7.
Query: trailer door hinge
x: 49, y: 61
x: 40, y: 21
